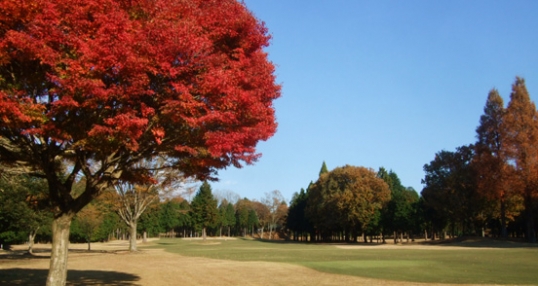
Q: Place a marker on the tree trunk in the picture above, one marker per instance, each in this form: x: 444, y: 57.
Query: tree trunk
x: 60, y: 246
x: 145, y: 237
x: 261, y: 236
x: 132, y: 236
x: 504, y: 233
x: 31, y: 238
x: 530, y: 233
x: 203, y: 234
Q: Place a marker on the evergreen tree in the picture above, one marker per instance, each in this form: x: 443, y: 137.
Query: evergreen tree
x: 397, y: 214
x: 252, y: 221
x: 204, y: 208
x: 230, y: 216
x: 323, y: 169
x: 296, y: 220
x: 169, y: 215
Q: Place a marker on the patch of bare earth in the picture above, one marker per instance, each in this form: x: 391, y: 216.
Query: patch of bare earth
x: 111, y: 264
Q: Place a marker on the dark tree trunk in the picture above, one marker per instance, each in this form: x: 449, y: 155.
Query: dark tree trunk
x: 530, y: 233
x: 504, y: 233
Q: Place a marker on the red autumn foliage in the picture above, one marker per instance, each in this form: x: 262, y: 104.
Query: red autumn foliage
x: 185, y: 78
x: 103, y: 84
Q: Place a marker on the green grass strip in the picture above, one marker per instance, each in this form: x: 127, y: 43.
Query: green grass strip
x: 499, y: 265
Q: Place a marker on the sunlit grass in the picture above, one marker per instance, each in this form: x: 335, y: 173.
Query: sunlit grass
x: 515, y: 265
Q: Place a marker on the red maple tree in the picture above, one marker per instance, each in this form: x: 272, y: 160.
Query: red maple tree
x: 102, y: 84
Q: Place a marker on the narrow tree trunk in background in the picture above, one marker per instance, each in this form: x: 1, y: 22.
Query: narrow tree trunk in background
x: 60, y: 245
x: 145, y: 237
x: 132, y: 236
x: 31, y: 238
x: 504, y: 233
x: 203, y: 234
x: 530, y: 233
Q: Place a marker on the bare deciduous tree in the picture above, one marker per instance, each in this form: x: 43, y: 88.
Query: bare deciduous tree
x: 273, y: 200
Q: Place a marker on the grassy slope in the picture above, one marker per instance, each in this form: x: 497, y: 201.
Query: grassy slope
x: 514, y: 265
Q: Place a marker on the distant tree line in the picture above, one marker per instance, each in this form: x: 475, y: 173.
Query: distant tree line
x: 486, y: 188
x: 492, y: 185
x: 354, y: 203
x: 23, y: 218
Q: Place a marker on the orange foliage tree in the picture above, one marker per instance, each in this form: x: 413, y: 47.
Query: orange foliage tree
x: 521, y: 127
x: 102, y: 84
x: 344, y: 200
x: 491, y: 164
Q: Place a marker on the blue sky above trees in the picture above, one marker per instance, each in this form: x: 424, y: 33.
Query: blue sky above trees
x: 382, y: 83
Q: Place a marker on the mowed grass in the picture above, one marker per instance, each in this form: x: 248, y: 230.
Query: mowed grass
x: 465, y: 265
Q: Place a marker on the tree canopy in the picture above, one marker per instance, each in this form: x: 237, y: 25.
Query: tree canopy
x: 346, y: 198
x: 102, y: 84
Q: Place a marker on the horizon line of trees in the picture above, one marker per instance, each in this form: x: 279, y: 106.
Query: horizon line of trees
x: 486, y: 188
x: 22, y: 220
x: 489, y: 187
x: 493, y: 183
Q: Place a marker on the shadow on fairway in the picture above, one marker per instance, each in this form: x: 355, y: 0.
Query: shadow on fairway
x: 478, y: 242
x: 22, y: 276
x: 471, y: 242
x: 44, y: 253
x: 276, y: 241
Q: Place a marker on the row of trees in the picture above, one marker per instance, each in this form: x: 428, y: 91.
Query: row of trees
x: 486, y: 188
x: 349, y: 201
x: 152, y: 211
x: 493, y: 183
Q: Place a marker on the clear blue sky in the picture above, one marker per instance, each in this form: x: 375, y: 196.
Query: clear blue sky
x: 382, y: 83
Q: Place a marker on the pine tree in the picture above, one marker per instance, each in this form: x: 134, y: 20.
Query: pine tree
x: 323, y: 169
x: 204, y: 208
x: 230, y: 216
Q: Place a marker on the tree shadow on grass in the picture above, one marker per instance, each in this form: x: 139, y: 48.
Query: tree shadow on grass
x: 45, y: 253
x: 22, y: 276
x: 479, y: 242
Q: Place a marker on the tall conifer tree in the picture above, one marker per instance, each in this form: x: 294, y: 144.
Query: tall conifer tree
x: 323, y: 169
x: 204, y: 208
x: 490, y: 160
x: 521, y: 125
